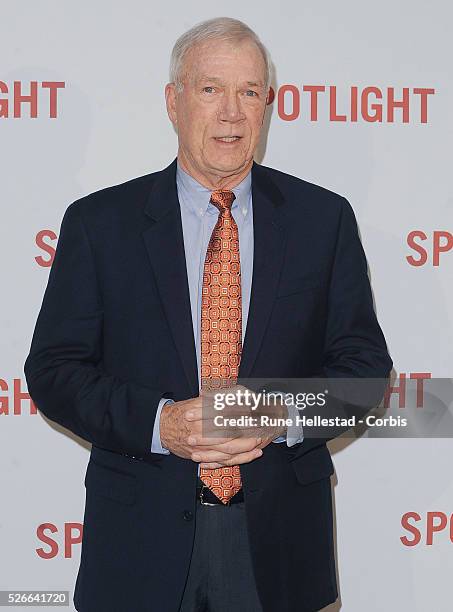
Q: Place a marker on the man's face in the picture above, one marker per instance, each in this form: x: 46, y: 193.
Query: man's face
x: 224, y: 95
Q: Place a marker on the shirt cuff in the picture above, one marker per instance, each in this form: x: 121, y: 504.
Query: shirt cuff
x: 294, y: 434
x: 156, y: 445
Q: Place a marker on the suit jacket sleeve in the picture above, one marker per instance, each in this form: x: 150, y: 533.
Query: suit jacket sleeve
x: 354, y: 345
x: 64, y: 372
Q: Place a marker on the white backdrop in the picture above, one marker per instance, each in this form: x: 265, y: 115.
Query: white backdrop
x: 110, y: 124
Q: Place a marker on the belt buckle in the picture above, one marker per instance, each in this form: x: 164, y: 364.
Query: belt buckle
x: 205, y: 503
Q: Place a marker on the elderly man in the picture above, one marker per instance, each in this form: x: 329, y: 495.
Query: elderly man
x: 215, y: 268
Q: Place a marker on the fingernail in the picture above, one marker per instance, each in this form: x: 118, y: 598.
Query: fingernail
x: 192, y: 440
x: 259, y: 453
x: 196, y: 457
x: 189, y: 415
x: 258, y: 440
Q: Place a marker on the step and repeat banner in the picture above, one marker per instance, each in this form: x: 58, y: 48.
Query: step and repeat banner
x: 361, y: 104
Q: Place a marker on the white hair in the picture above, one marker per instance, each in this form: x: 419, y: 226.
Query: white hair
x: 218, y: 28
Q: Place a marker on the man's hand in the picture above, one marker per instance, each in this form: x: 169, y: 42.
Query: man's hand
x: 277, y: 413
x: 181, y: 425
x: 185, y: 427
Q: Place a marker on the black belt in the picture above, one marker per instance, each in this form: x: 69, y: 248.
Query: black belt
x: 207, y: 498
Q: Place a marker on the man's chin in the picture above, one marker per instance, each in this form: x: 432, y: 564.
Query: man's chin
x: 226, y: 166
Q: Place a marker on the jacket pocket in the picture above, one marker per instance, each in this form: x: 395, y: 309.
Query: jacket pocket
x: 111, y: 484
x: 313, y: 466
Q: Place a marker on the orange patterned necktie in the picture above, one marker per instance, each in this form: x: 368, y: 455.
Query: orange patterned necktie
x: 221, y: 325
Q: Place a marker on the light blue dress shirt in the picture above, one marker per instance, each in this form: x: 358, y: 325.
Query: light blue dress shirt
x: 198, y: 218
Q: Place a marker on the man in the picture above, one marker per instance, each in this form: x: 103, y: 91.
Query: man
x: 214, y: 268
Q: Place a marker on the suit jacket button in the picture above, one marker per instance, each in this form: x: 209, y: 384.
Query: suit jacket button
x: 187, y: 515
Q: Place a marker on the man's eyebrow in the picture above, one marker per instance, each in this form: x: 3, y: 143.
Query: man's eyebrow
x: 214, y: 79
x: 255, y: 83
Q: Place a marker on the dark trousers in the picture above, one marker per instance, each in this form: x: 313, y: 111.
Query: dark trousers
x: 220, y: 576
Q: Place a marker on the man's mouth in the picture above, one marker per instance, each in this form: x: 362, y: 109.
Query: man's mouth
x: 227, y: 138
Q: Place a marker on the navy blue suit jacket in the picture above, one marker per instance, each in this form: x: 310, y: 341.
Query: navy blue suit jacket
x: 114, y: 335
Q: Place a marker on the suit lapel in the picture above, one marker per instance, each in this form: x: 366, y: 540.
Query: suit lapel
x: 269, y: 235
x: 164, y: 242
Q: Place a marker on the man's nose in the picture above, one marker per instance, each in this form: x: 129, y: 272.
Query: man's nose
x: 230, y: 107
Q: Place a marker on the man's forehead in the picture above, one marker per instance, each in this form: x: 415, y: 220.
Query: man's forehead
x: 215, y: 54
x: 216, y: 64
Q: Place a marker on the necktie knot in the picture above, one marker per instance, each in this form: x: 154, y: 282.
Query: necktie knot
x: 222, y: 199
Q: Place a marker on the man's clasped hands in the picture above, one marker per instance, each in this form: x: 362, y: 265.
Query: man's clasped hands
x: 189, y: 428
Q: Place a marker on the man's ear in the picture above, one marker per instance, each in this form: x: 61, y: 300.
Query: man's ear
x: 170, y: 98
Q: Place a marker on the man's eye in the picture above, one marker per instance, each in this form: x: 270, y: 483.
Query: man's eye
x: 208, y: 87
x: 250, y: 91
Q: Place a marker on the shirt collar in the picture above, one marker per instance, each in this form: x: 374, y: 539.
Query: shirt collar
x: 196, y: 196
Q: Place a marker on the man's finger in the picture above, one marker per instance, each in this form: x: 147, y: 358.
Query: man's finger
x: 195, y: 440
x: 230, y: 446
x: 239, y: 445
x: 194, y: 414
x: 234, y: 460
x: 213, y: 456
